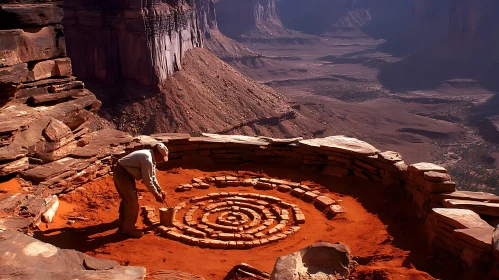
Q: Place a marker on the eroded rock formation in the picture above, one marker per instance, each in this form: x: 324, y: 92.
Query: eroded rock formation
x: 141, y: 41
x: 251, y: 19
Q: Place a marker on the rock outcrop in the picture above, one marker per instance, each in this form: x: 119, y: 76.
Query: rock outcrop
x: 225, y: 48
x: 28, y: 258
x: 47, y: 116
x: 321, y: 260
x: 319, y: 16
x: 251, y: 20
x: 141, y: 41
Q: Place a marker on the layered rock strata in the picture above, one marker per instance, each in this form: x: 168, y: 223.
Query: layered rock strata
x: 253, y: 21
x: 213, y: 40
x: 141, y: 41
x: 46, y: 113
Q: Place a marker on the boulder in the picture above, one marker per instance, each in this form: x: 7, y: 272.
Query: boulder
x: 321, y: 260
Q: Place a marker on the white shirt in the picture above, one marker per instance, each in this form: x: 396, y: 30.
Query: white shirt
x: 140, y: 164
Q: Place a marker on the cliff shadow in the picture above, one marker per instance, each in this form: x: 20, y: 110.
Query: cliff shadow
x: 420, y: 72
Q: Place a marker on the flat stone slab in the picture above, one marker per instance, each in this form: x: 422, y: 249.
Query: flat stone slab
x: 15, y: 223
x: 467, y: 195
x: 460, y: 218
x: 423, y: 167
x: 342, y: 144
x: 480, y: 237
x: 435, y: 176
x: 28, y: 258
x: 484, y: 208
x: 92, y: 263
x: 389, y: 157
x: 237, y: 139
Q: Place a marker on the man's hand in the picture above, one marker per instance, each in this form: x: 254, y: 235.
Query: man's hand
x: 161, y: 197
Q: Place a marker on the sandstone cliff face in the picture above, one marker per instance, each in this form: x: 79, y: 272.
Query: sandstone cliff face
x: 47, y: 117
x: 142, y: 41
x: 236, y: 18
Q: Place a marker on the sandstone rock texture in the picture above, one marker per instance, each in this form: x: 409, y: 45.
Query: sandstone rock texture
x: 142, y: 41
x: 49, y: 131
x: 321, y: 260
x: 28, y: 258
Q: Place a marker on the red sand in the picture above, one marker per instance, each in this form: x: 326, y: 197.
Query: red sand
x: 371, y: 241
x: 10, y: 187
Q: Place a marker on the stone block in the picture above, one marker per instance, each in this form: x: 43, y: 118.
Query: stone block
x: 322, y: 202
x: 297, y: 192
x: 334, y: 210
x: 309, y: 196
x: 19, y: 46
x: 283, y: 188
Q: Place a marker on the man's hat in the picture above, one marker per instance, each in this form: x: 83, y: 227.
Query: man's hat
x: 163, y: 150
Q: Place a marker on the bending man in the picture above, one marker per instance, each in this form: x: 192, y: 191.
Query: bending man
x: 139, y: 165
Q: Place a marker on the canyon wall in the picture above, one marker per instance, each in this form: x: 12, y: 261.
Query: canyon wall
x: 141, y: 41
x: 451, y: 29
x: 236, y: 18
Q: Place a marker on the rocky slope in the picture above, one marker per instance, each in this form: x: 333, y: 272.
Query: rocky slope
x: 208, y: 95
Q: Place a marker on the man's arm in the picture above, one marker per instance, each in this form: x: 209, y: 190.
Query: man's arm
x: 149, y: 178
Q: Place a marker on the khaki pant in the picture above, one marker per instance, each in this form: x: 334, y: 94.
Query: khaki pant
x: 129, y: 206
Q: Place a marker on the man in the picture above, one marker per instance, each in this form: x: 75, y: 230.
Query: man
x: 139, y: 165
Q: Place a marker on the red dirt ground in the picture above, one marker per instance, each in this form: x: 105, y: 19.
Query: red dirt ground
x: 386, y: 245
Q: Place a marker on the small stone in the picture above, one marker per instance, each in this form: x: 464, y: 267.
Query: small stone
x: 334, y: 210
x: 321, y: 202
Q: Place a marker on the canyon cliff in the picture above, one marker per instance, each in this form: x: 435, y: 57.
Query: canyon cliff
x: 142, y: 41
x: 450, y: 29
x: 250, y: 18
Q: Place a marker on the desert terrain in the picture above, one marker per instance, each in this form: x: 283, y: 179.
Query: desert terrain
x: 345, y: 139
x: 428, y: 110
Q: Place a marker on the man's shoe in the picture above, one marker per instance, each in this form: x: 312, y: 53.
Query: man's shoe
x: 133, y: 233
